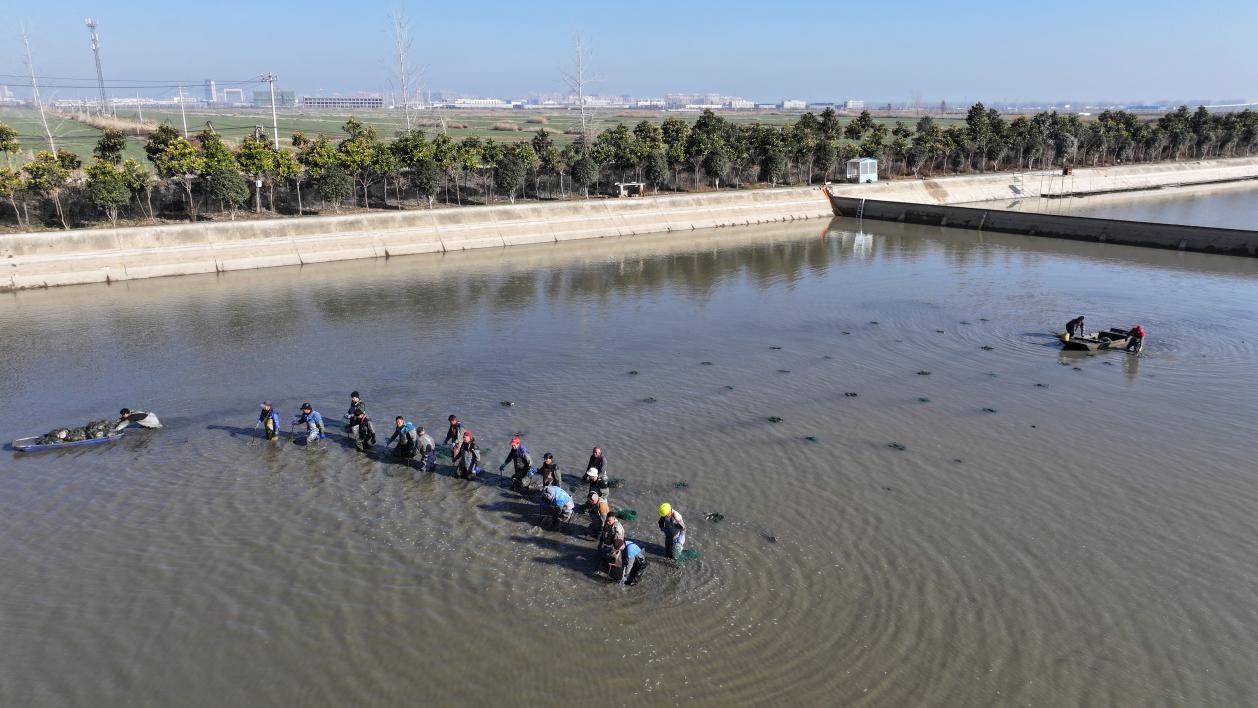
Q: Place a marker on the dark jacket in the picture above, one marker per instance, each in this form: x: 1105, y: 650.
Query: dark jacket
x: 454, y: 435
x: 522, y: 459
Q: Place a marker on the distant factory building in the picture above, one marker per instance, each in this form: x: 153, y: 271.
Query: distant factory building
x: 211, y: 91
x: 794, y: 105
x: 851, y: 105
x: 282, y: 98
x: 353, y: 102
x: 232, y: 96
x: 741, y: 104
x: 479, y: 103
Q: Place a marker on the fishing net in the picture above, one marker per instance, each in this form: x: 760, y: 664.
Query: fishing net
x: 627, y: 514
x: 686, y: 556
x: 615, y: 482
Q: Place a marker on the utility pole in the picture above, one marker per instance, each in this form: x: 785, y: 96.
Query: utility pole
x: 275, y: 127
x: 100, y: 75
x: 30, y: 64
x: 183, y: 114
x: 402, y: 43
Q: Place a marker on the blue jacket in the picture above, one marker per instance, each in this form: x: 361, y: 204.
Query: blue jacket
x: 559, y: 496
x: 313, y: 421
x: 406, y: 432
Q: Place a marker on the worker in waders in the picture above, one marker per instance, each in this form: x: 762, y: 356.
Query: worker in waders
x: 557, y: 505
x: 549, y: 471
x: 351, y: 416
x: 597, y: 508
x: 313, y: 422
x: 596, y: 473
x: 1136, y: 343
x: 1074, y: 328
x: 522, y: 464
x: 127, y: 417
x: 407, y: 439
x: 466, y: 455
x: 627, y: 564
x: 366, y: 432
x: 426, y: 449
x: 613, y: 531
x: 674, y: 529
x: 454, y: 433
x: 269, y: 420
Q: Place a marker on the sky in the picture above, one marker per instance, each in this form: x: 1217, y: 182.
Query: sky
x: 1118, y: 50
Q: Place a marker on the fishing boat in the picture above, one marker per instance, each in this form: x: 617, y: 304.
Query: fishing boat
x: 1112, y: 338
x: 32, y: 444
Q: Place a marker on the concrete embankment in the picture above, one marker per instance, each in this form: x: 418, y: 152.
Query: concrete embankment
x: 1080, y: 228
x: 104, y: 255
x: 1085, y: 181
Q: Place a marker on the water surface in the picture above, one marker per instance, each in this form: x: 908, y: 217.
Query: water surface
x: 1055, y: 529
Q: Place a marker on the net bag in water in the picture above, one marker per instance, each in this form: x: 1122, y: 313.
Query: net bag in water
x: 686, y: 556
x: 627, y: 514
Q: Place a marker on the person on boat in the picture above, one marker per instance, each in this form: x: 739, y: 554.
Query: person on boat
x: 454, y: 433
x: 128, y: 417
x: 466, y: 456
x: 313, y: 422
x: 674, y: 529
x: 557, y: 504
x: 522, y: 462
x: 426, y: 449
x: 1136, y: 343
x: 627, y: 564
x: 365, y: 432
x: 1074, y: 327
x: 269, y: 419
x: 351, y: 415
x: 597, y: 508
x: 550, y: 471
x: 406, y: 436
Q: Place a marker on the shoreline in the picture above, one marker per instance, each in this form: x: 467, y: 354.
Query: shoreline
x: 46, y: 259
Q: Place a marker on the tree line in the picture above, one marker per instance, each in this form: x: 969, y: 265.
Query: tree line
x: 185, y: 178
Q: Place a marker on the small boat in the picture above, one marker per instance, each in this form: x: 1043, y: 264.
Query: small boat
x: 32, y: 444
x: 1112, y: 338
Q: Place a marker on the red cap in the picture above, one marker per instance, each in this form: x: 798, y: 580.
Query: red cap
x: 467, y: 434
x: 515, y: 439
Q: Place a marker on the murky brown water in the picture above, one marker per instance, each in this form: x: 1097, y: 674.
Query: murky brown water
x: 1090, y: 541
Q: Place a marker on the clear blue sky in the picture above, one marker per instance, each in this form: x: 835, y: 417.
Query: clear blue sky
x: 992, y: 51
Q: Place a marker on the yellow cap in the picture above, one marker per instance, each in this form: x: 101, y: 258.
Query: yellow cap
x: 666, y: 509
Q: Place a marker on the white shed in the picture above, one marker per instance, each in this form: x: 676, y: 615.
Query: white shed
x: 862, y: 169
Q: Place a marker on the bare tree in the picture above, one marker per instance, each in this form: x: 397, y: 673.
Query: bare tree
x: 402, y: 44
x: 577, y: 79
x: 30, y: 66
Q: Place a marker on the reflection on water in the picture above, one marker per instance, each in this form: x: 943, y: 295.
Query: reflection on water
x: 1022, y: 525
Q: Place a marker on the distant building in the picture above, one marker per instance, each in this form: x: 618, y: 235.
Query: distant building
x: 741, y: 104
x: 211, y: 91
x: 650, y: 103
x: 852, y: 105
x: 479, y: 103
x: 351, y: 102
x: 794, y: 105
x: 232, y: 96
x: 282, y: 98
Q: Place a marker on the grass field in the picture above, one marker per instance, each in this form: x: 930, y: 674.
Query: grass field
x: 235, y: 124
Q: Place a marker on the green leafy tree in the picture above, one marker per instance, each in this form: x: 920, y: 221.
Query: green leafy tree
x: 107, y: 187
x: 260, y: 161
x: 12, y: 184
x: 159, y: 140
x: 139, y: 182
x: 445, y: 152
x: 410, y: 149
x: 825, y: 156
x: 110, y: 146
x: 47, y: 176
x: 655, y: 167
x: 225, y: 184
x: 358, y: 154
x: 69, y: 160
x: 715, y: 165
x: 288, y: 167
x: 335, y: 184
x: 510, y: 172
x: 584, y: 173
x: 9, y: 145
x: 550, y: 161
x: 181, y: 163
x: 427, y: 177
x: 676, y: 135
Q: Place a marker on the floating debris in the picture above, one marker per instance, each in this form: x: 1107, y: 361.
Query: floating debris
x: 1109, y: 363
x: 784, y: 371
x: 888, y: 489
x: 896, y: 446
x: 769, y: 537
x: 923, y: 399
x: 992, y: 374
x: 633, y: 373
x: 714, y: 516
x: 983, y: 319
x: 989, y: 410
x: 507, y: 403
x: 649, y: 399
x: 873, y: 322
x: 810, y: 438
x: 1076, y: 368
x: 729, y: 388
x: 705, y: 363
x: 1033, y: 426
x: 681, y: 485
x: 826, y: 356
x: 774, y: 419
x: 923, y: 373
x: 1040, y: 385
x: 957, y: 460
x: 939, y: 331
x: 775, y: 348
x: 850, y: 394
x: 986, y: 348
x: 844, y: 332
x: 964, y: 322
